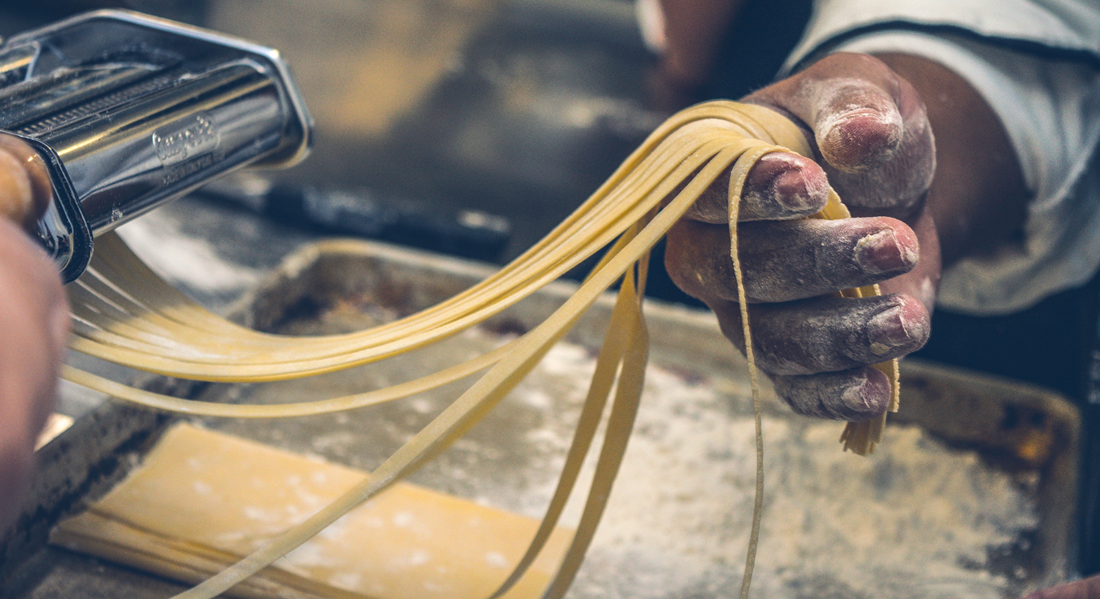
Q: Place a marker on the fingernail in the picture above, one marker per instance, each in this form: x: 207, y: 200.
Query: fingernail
x: 882, y: 252
x: 865, y: 400
x: 859, y: 139
x: 800, y: 190
x: 786, y: 181
x: 888, y: 329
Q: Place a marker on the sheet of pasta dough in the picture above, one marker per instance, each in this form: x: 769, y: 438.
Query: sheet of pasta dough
x: 203, y: 499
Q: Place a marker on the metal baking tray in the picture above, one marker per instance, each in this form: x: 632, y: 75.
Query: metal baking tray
x: 971, y: 494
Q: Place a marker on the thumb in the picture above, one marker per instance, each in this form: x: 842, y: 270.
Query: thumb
x: 870, y: 128
x: 857, y: 126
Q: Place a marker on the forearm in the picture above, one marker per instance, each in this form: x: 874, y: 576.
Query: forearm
x: 978, y: 198
x: 694, y: 30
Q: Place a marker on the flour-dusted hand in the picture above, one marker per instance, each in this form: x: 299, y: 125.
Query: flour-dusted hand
x: 920, y: 201
x: 34, y: 321
x: 874, y: 145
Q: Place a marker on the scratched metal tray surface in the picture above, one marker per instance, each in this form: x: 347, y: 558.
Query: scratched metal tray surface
x: 971, y: 494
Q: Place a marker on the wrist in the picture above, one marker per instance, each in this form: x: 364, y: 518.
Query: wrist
x: 978, y: 196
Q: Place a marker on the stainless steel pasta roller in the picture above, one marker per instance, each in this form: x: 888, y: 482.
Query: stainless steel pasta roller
x: 128, y: 112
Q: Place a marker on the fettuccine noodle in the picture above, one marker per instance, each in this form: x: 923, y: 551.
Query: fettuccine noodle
x: 124, y: 313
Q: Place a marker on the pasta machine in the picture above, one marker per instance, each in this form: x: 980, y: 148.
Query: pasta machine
x: 129, y: 112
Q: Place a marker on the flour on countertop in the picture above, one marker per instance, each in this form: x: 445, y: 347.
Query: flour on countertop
x: 914, y: 520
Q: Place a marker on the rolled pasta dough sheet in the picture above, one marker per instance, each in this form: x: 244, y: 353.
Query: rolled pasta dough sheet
x: 202, y: 500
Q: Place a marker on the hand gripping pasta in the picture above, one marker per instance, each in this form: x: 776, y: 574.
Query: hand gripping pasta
x: 125, y: 314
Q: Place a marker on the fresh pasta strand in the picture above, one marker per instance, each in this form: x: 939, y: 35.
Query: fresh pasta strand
x: 124, y: 313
